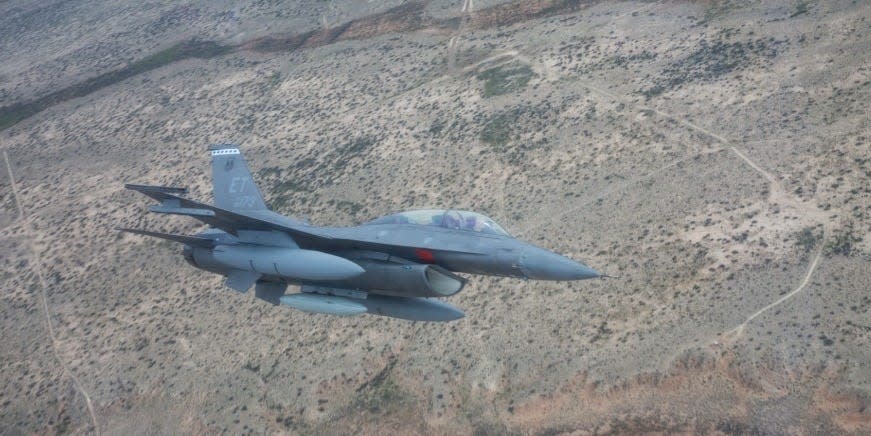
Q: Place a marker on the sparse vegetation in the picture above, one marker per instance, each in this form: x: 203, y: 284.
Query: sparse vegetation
x: 807, y: 239
x: 349, y: 207
x: 498, y: 130
x: 9, y: 115
x: 653, y: 91
x: 701, y: 240
x: 842, y: 242
x: 289, y: 185
x: 800, y: 9
x: 383, y: 399
x: 512, y: 132
x: 381, y: 394
x: 505, y: 79
x: 717, y: 9
x: 185, y: 50
x: 712, y: 59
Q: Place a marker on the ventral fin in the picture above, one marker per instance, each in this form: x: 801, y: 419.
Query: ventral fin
x: 241, y: 281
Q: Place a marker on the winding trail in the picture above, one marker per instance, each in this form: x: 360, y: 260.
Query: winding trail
x: 753, y: 165
x: 776, y: 193
x: 14, y: 186
x: 740, y: 328
x: 37, y: 268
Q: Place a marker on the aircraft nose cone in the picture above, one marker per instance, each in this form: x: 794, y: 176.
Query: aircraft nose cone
x: 539, y: 264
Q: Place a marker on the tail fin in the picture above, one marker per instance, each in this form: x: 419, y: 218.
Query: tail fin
x: 234, y: 189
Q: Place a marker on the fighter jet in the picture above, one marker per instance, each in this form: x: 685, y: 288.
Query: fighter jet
x: 398, y: 265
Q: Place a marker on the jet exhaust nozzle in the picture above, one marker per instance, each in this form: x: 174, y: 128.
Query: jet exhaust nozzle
x: 401, y: 280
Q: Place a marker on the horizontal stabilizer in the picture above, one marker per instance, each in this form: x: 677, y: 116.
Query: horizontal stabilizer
x: 194, y: 241
x: 164, y: 189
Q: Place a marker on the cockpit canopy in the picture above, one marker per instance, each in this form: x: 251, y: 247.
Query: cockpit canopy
x: 452, y: 219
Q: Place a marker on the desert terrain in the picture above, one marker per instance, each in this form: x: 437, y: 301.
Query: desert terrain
x: 715, y: 155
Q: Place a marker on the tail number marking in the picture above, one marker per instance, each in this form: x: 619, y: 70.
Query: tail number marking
x: 244, y: 201
x: 237, y: 185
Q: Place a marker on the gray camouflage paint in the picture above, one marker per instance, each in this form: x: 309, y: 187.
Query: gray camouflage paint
x: 388, y: 269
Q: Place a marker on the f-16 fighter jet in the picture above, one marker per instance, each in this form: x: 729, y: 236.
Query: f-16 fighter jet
x: 397, y: 266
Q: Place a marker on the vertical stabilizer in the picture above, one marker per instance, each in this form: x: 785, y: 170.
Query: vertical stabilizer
x: 234, y: 189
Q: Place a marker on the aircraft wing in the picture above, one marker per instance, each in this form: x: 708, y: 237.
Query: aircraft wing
x: 260, y: 220
x: 223, y: 219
